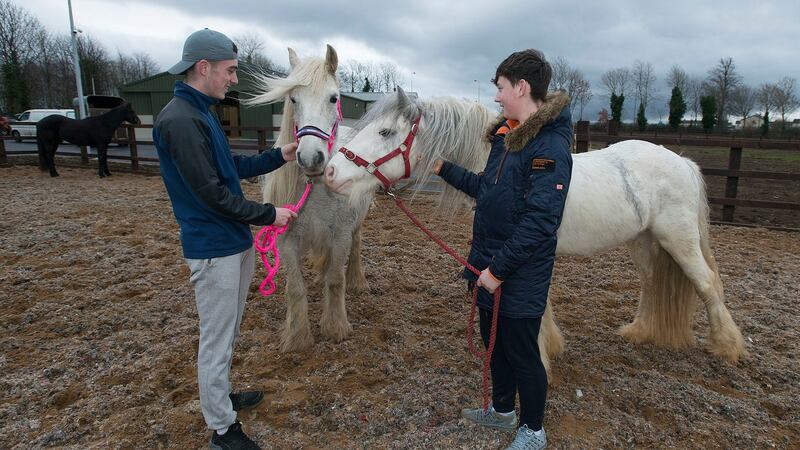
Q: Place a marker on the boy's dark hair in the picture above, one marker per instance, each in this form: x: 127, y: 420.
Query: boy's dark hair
x: 528, y: 65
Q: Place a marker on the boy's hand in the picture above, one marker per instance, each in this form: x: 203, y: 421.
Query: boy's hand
x: 289, y: 151
x: 283, y: 215
x: 488, y: 281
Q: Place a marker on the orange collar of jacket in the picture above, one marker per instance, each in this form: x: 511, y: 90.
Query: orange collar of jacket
x: 507, y: 126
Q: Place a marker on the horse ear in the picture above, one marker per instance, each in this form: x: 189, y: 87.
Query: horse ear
x: 331, y: 60
x: 402, y: 98
x: 294, y: 60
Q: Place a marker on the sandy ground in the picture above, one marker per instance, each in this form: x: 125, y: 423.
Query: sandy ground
x: 99, y: 339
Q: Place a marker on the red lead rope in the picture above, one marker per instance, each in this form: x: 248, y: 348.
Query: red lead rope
x: 487, y: 355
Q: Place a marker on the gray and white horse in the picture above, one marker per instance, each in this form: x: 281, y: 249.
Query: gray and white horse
x: 328, y: 228
x: 633, y: 193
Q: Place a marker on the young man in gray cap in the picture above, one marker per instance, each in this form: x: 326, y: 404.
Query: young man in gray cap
x: 202, y: 180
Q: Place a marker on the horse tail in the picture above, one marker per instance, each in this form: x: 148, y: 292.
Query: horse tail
x: 280, y: 187
x: 703, y: 218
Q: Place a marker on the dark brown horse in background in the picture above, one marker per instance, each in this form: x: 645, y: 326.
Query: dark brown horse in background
x: 94, y: 131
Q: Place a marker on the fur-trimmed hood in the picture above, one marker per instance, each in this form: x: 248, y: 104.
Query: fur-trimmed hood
x: 517, y: 138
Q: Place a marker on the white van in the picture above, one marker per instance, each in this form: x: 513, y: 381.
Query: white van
x: 24, y: 130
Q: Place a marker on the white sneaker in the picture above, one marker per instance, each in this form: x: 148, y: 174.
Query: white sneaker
x: 527, y: 439
x: 491, y: 418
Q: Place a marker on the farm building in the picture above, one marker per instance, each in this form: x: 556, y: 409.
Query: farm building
x: 148, y: 96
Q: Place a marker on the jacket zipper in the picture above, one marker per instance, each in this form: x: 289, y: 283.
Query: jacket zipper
x: 500, y: 167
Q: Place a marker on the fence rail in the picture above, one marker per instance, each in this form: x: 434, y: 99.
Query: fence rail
x: 582, y: 142
x: 262, y: 143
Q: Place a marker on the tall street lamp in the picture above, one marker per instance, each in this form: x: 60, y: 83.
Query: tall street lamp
x: 76, y: 62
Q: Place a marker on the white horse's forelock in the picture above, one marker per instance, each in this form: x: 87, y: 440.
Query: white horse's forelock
x: 310, y: 72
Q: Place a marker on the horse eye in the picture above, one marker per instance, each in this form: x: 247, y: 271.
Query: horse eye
x: 292, y: 99
x: 385, y: 132
x: 334, y: 99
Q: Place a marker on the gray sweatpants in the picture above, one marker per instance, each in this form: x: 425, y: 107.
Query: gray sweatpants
x: 220, y: 289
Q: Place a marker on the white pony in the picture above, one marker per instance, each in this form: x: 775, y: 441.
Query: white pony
x: 328, y: 227
x: 633, y: 193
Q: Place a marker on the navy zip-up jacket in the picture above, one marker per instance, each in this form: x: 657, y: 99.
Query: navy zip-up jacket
x: 520, y: 199
x: 202, y: 177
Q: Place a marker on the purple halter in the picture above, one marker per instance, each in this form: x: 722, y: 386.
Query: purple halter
x: 310, y: 130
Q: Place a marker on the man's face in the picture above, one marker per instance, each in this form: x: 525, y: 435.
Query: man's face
x: 508, y: 96
x: 220, y: 76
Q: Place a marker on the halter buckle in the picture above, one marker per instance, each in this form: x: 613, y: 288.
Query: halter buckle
x: 371, y: 168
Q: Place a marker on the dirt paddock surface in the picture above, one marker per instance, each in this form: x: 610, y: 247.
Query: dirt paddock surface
x: 99, y: 339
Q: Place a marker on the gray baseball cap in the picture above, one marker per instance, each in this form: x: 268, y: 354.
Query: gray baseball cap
x: 204, y: 44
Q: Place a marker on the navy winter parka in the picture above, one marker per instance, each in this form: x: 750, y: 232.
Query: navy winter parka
x: 520, y: 199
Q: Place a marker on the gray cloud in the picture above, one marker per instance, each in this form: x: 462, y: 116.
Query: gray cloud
x: 449, y: 45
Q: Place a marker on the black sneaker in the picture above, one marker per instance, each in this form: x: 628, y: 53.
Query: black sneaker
x: 245, y: 400
x: 233, y: 439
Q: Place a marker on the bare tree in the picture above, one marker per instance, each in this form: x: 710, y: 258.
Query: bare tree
x: 569, y: 79
x: 765, y: 96
x: 389, y: 76
x: 251, y: 51
x: 694, y: 91
x: 581, y: 95
x: 98, y: 77
x: 785, y: 98
x: 562, y: 74
x: 248, y: 44
x: 677, y: 77
x: 743, y: 100
x: 644, y: 80
x: 20, y: 33
x: 616, y: 81
x: 354, y: 75
x: 721, y: 80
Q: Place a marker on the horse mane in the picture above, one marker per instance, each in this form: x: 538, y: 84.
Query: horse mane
x: 114, y: 117
x: 281, y: 186
x: 308, y: 72
x: 450, y: 129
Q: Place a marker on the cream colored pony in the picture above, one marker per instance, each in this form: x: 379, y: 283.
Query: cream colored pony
x: 328, y: 228
x: 633, y: 193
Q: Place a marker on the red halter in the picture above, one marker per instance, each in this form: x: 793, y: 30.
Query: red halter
x: 372, y: 167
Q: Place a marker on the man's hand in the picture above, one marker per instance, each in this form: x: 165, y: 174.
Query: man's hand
x: 437, y: 166
x: 289, y: 151
x: 488, y: 281
x: 283, y: 215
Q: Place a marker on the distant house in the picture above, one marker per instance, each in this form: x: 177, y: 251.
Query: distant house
x: 753, y: 121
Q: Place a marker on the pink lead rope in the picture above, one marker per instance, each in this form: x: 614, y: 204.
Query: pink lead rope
x: 265, y: 243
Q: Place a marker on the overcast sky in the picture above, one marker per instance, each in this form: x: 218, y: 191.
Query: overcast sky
x: 447, y: 47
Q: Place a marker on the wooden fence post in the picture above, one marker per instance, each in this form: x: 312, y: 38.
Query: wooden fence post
x: 262, y: 140
x: 582, y: 137
x: 732, y: 183
x: 3, y: 159
x: 132, y: 146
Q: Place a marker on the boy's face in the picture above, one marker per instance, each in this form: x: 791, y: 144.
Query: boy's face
x: 509, y: 96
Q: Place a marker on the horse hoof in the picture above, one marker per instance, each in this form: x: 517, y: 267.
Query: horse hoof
x: 336, y: 331
x: 358, y: 288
